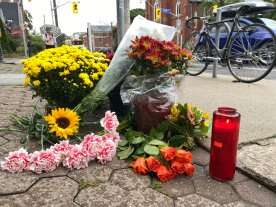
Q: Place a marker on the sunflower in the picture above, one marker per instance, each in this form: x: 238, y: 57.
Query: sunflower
x: 63, y: 122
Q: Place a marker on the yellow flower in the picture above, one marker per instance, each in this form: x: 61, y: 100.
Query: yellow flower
x: 36, y: 83
x: 63, y: 122
x: 174, y: 115
x: 27, y: 81
x: 95, y: 76
x: 205, y: 115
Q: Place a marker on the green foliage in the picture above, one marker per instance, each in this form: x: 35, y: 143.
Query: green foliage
x: 36, y: 44
x: 136, y: 12
x: 7, y: 43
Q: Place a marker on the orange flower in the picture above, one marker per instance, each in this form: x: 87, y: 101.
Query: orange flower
x: 139, y: 166
x: 189, y: 169
x: 153, y: 163
x: 165, y: 174
x: 178, y: 167
x: 168, y: 153
x: 183, y: 156
x: 187, y: 53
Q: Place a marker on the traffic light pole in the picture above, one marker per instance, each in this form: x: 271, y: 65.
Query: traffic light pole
x: 55, y: 12
x: 123, y: 19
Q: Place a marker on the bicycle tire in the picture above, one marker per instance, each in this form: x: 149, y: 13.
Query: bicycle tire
x: 247, y: 57
x: 192, y: 70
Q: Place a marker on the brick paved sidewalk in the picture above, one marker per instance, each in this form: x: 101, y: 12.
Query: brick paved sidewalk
x: 114, y: 184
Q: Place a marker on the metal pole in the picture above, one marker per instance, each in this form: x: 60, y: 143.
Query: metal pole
x: 22, y: 26
x: 89, y: 36
x: 122, y: 17
x: 218, y: 18
x: 55, y: 12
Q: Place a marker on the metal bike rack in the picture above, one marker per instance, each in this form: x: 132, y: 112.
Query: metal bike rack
x: 233, y: 8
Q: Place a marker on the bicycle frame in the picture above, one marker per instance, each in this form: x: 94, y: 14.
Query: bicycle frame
x: 221, y: 53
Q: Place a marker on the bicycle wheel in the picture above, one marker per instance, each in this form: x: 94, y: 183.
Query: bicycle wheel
x: 200, y: 50
x: 252, y: 53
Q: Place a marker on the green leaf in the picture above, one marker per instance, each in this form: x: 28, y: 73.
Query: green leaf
x: 122, y: 148
x: 177, y: 140
x: 158, y: 142
x: 140, y: 150
x: 125, y: 153
x: 151, y: 150
x: 123, y: 143
x: 156, y: 134
x: 137, y: 140
x: 163, y: 127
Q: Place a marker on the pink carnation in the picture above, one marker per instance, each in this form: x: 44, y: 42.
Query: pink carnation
x: 115, y: 137
x: 89, y: 145
x: 106, y: 151
x: 17, y: 161
x: 44, y: 161
x: 62, y: 149
x: 110, y: 121
x: 76, y: 159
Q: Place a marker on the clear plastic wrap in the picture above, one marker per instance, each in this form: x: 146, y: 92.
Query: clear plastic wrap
x: 121, y: 63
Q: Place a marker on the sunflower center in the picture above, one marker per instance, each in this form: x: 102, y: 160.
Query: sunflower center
x: 63, y: 122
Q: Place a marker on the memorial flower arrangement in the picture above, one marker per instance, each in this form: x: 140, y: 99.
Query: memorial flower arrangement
x: 170, y: 163
x: 77, y: 156
x: 64, y: 75
x: 154, y: 56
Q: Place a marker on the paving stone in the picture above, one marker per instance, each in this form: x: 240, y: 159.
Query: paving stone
x: 149, y: 198
x: 15, y: 183
x: 201, y: 157
x: 217, y: 191
x: 3, y: 141
x: 256, y: 193
x: 195, y: 200
x: 177, y: 187
x: 239, y: 204
x: 128, y: 180
x: 238, y: 178
x: 117, y: 164
x: 104, y: 195
x: 94, y: 173
x: 200, y: 171
x: 60, y: 171
x: 59, y: 191
x: 260, y: 162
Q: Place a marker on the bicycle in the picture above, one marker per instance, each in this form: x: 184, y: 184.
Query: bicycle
x: 249, y: 51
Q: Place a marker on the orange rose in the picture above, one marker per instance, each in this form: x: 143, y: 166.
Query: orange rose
x: 165, y: 174
x: 153, y: 163
x: 189, y: 169
x: 139, y: 166
x: 178, y: 167
x: 168, y: 153
x: 183, y: 156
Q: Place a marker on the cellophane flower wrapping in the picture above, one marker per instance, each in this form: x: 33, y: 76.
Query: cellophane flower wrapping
x: 121, y: 63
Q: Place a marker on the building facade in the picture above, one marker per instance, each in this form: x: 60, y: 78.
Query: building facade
x: 174, y: 13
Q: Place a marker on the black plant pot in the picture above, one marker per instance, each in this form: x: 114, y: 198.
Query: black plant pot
x: 116, y: 102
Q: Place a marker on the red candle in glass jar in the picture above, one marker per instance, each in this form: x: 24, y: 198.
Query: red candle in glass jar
x: 224, y: 143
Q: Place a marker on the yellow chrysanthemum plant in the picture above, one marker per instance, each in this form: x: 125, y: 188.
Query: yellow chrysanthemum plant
x: 64, y: 75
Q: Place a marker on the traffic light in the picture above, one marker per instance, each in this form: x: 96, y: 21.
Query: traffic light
x: 75, y: 7
x: 157, y: 14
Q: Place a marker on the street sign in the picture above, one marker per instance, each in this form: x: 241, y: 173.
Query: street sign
x: 165, y: 10
x: 157, y: 14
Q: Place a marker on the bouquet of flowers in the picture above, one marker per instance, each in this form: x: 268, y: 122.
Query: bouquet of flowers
x: 153, y: 56
x: 64, y: 75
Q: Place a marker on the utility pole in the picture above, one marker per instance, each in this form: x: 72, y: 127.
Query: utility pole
x: 55, y: 12
x: 22, y: 26
x: 123, y: 19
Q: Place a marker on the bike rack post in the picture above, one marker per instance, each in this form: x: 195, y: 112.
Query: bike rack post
x: 218, y: 18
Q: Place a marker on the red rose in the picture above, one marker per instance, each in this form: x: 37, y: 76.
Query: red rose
x: 189, y: 169
x: 165, y: 174
x: 153, y: 163
x: 183, y: 156
x: 178, y: 167
x: 168, y: 153
x: 139, y: 166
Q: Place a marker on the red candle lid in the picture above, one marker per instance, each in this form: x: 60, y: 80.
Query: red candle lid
x: 227, y: 110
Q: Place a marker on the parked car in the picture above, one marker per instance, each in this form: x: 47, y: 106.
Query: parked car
x: 256, y: 36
